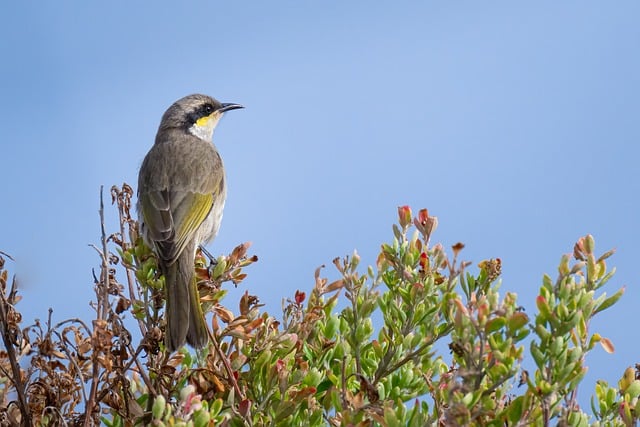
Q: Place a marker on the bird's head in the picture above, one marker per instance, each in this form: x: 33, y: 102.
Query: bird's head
x: 196, y: 114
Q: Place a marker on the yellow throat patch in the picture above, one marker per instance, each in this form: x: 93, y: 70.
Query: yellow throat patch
x: 203, y: 121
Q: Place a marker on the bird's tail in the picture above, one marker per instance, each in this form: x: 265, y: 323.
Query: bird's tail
x: 185, y: 320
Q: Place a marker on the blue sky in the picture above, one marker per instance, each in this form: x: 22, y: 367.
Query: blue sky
x: 516, y: 124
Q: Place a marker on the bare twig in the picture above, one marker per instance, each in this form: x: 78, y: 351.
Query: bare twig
x: 72, y: 360
x: 103, y: 295
x: 123, y: 198
x: 143, y: 374
x: 73, y: 320
x: 227, y: 366
x: 343, y: 378
x: 101, y: 312
x: 11, y: 352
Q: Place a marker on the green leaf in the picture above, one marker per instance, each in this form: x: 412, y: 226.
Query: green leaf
x: 157, y: 410
x: 323, y: 386
x: 219, y: 268
x: 494, y: 324
x: 285, y: 409
x: 516, y: 321
x: 609, y: 301
x: 201, y: 419
x: 216, y: 407
x: 514, y: 412
x: 538, y: 356
x: 544, y: 308
x: 633, y: 390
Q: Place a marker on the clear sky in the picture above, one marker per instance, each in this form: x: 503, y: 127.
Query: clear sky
x: 516, y: 124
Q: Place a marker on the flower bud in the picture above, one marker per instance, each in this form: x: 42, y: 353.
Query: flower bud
x: 404, y: 215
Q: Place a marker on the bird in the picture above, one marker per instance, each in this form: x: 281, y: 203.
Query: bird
x: 181, y: 195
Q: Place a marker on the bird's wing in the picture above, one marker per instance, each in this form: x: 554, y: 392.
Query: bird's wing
x: 192, y: 210
x: 172, y: 219
x: 156, y: 211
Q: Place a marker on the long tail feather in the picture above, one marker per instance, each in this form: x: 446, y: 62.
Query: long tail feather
x: 185, y: 320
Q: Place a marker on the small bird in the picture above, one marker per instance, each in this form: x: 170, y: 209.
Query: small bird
x: 181, y: 195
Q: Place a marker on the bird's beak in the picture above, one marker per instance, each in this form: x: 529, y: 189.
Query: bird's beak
x: 229, y: 106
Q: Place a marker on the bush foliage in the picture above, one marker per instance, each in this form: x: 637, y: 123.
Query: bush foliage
x: 418, y: 339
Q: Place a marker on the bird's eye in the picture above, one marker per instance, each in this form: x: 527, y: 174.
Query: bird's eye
x: 207, y: 109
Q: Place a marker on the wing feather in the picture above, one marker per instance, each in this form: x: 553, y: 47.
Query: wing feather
x: 173, y: 218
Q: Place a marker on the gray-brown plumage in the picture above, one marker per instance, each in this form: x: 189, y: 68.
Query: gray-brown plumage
x: 181, y: 195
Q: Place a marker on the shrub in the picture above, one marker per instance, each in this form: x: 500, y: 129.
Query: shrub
x: 366, y: 349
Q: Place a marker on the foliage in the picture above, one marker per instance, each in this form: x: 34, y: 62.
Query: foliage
x: 366, y: 349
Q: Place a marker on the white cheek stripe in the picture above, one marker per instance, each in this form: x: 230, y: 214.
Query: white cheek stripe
x: 205, y: 132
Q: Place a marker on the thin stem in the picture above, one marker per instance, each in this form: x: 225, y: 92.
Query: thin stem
x: 15, y: 367
x: 101, y: 311
x: 227, y: 366
x: 123, y: 198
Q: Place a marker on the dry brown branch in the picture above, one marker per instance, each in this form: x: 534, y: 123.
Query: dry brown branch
x: 9, y: 342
